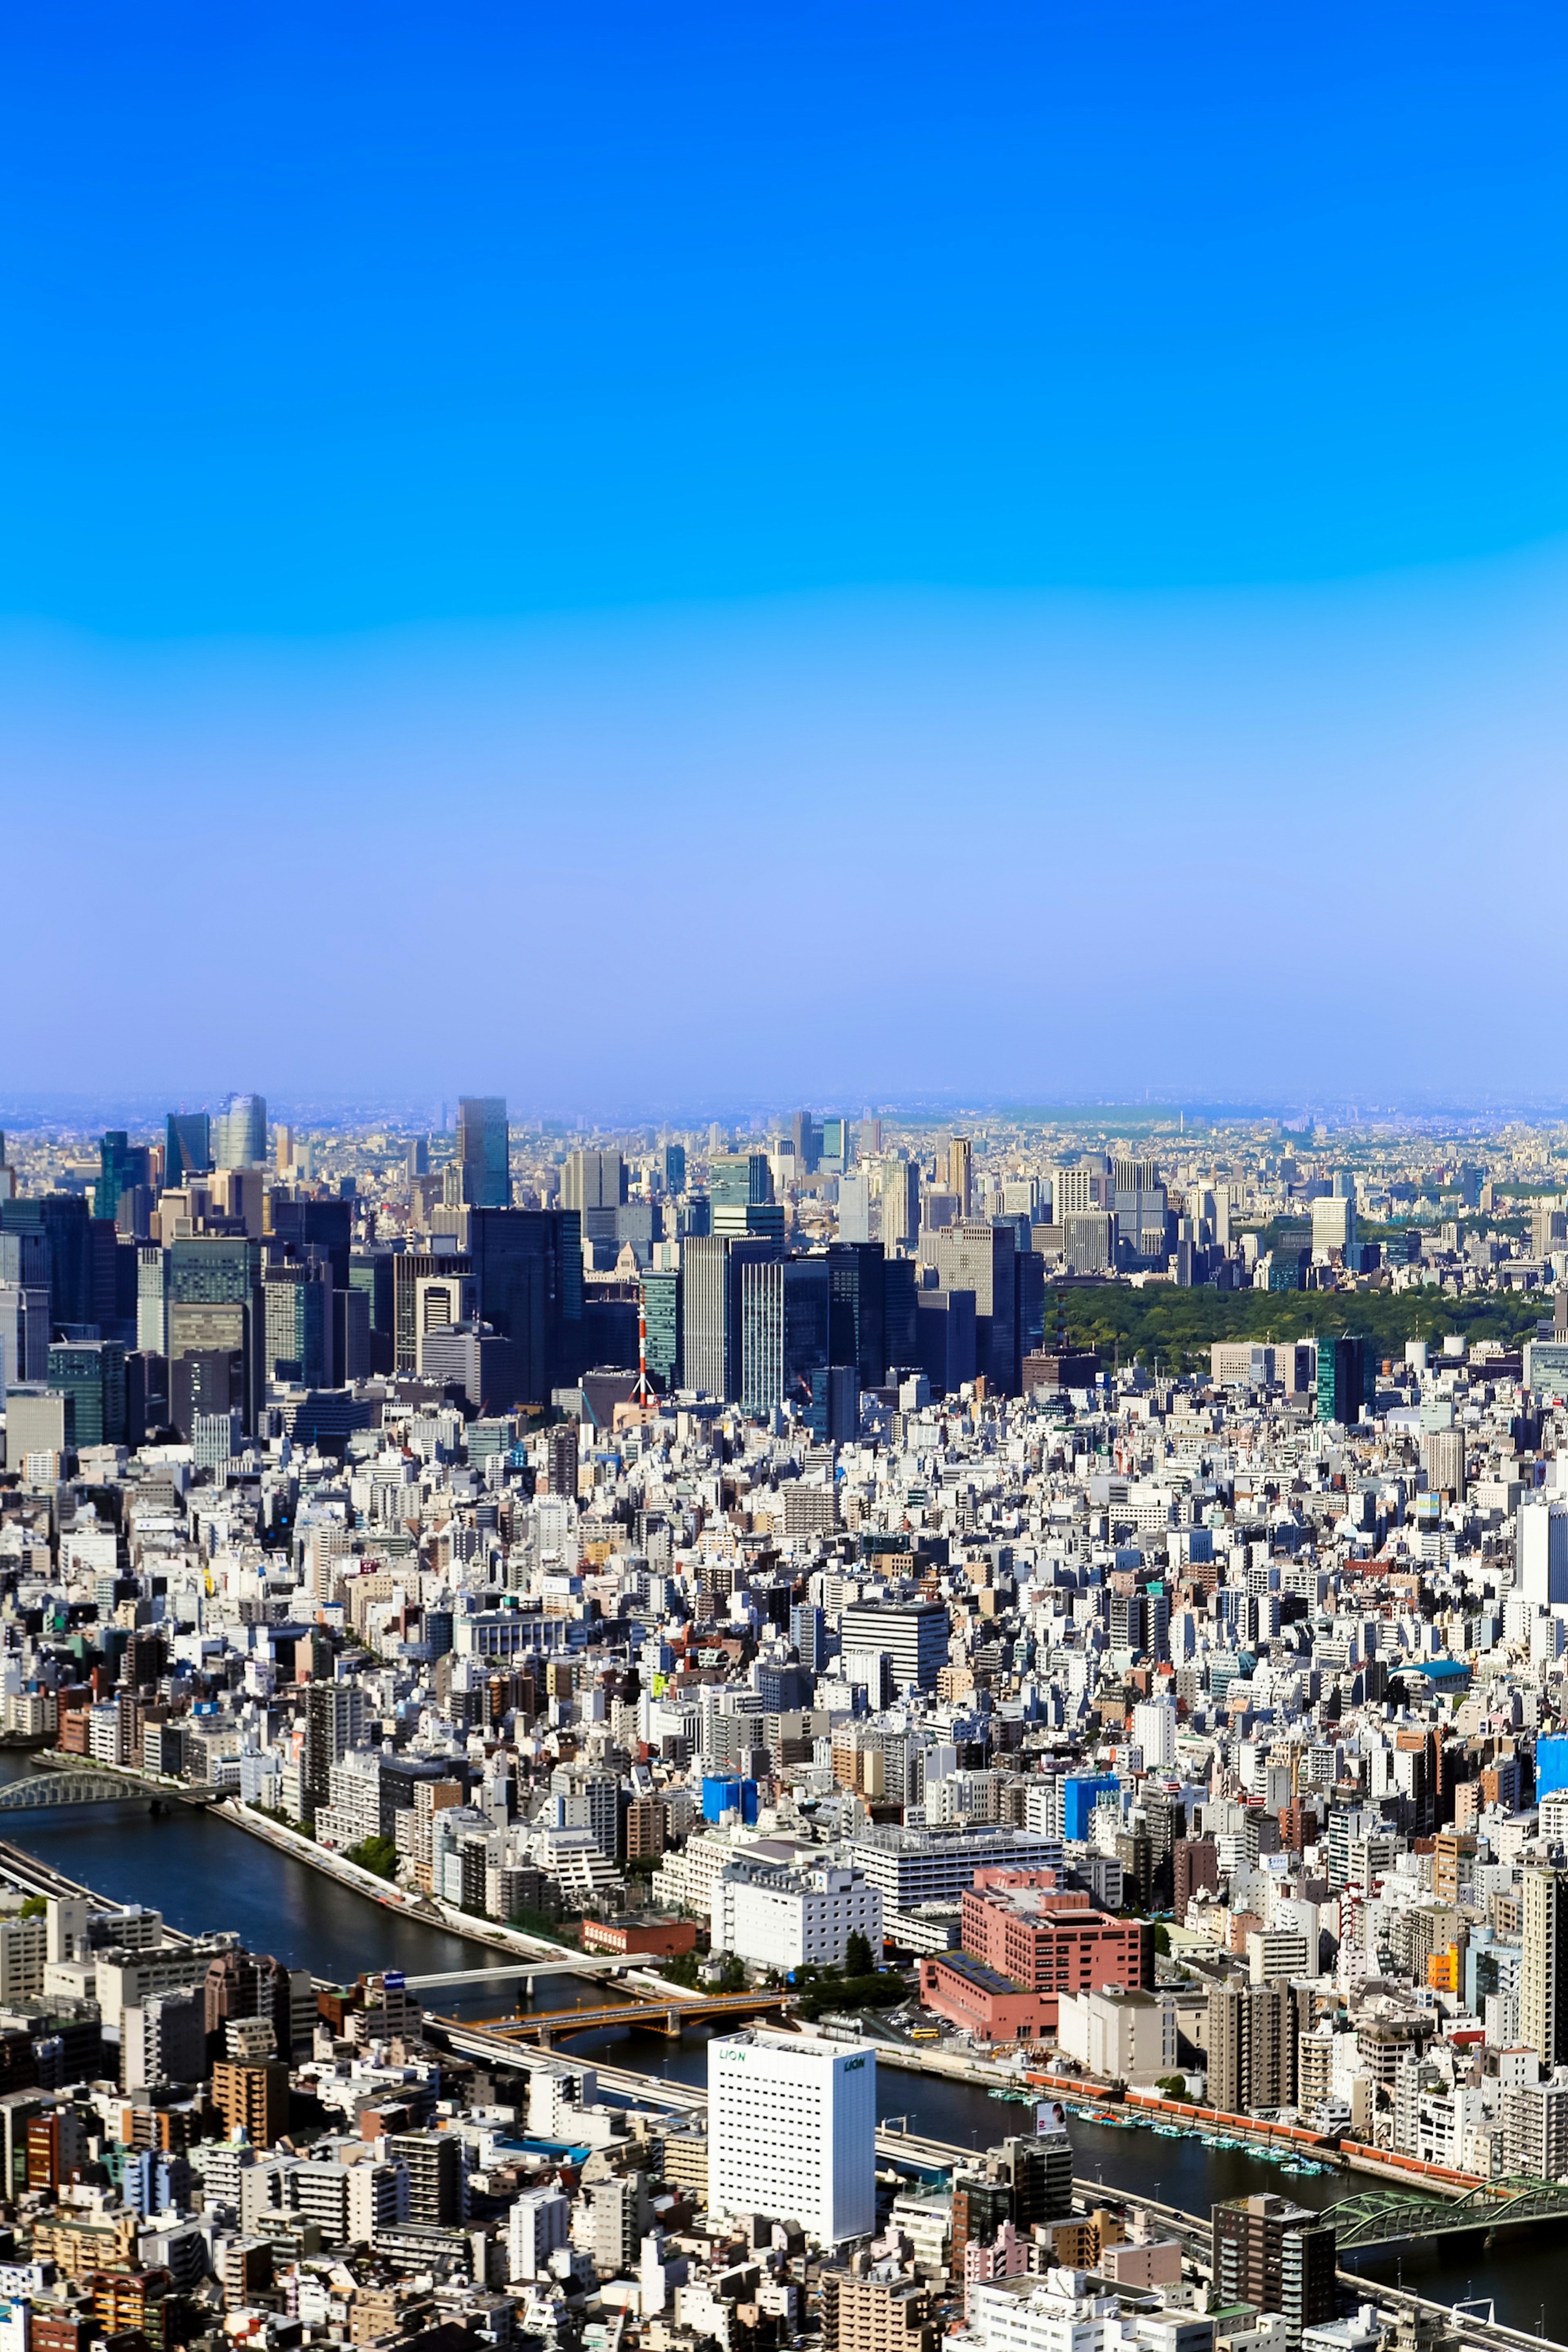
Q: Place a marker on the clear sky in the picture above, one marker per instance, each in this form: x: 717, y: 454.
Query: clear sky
x: 644, y: 556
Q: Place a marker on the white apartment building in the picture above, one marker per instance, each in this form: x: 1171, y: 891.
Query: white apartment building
x: 538, y: 2222
x: 792, y: 2132
x: 786, y: 1919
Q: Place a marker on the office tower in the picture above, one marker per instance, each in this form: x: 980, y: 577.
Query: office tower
x: 61, y: 1222
x: 792, y: 2132
x: 409, y: 1269
x: 297, y: 1300
x: 960, y: 1172
x: 914, y: 1633
x: 713, y: 1267
x: 900, y: 1195
x: 739, y: 1182
x: 530, y: 1267
x: 1334, y: 1223
x: 216, y: 1309
x: 483, y: 1145
x: 187, y: 1150
x: 854, y: 1208
x: 900, y: 1316
x: 1134, y: 1175
x: 1278, y: 2257
x: 838, y: 1144
x: 91, y: 1373
x: 858, y: 1294
x: 239, y: 1132
x: 324, y: 1226
x: 806, y: 1137
x: 153, y: 1299
x: 661, y: 1315
x: 833, y: 1415
x: 944, y: 1338
x: 24, y: 1327
x: 1347, y: 1379
x: 979, y: 1257
x: 283, y: 1149
x: 594, y: 1179
x: 675, y: 1167
x: 122, y: 1164
x: 1544, y: 1976
x: 38, y: 1420
x: 371, y: 1275
x: 784, y: 1330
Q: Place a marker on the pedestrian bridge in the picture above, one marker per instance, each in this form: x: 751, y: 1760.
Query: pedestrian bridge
x: 40, y: 1791
x: 1387, y: 2217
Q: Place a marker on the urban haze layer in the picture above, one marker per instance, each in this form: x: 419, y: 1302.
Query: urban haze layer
x: 839, y: 1619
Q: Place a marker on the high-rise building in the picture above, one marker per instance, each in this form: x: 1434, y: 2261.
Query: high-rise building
x: 960, y: 1172
x: 153, y: 1299
x: 806, y: 1137
x: 239, y: 1132
x: 334, y: 1722
x: 712, y: 1267
x: 661, y: 1313
x: 1252, y: 2046
x: 61, y: 1219
x: 297, y: 1302
x: 1544, y: 1976
x: 900, y: 1195
x: 121, y: 1165
x: 675, y: 1167
x: 1347, y: 1379
x: 1279, y: 2257
x: 977, y: 1255
x: 92, y: 1373
x: 858, y: 1300
x: 483, y: 1148
x: 530, y: 1267
x: 784, y: 1330
x: 854, y: 1208
x: 25, y: 1326
x: 252, y: 2096
x: 215, y: 1307
x: 187, y: 1150
x: 792, y: 2132
x: 594, y: 1179
x: 325, y: 1226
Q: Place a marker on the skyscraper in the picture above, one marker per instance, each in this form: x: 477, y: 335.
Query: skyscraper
x: 483, y: 1145
x: 121, y: 1165
x: 784, y: 1330
x: 661, y: 1311
x: 712, y: 1266
x: 960, y: 1172
x: 530, y: 1267
x: 977, y: 1255
x: 1347, y: 1379
x: 856, y: 1276
x: 92, y: 1373
x: 675, y: 1167
x: 239, y: 1132
x: 187, y: 1150
x: 215, y: 1309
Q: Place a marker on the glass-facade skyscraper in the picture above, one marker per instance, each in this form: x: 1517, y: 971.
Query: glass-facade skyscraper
x: 482, y: 1151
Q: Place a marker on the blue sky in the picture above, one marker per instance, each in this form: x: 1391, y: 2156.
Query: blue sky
x: 849, y: 548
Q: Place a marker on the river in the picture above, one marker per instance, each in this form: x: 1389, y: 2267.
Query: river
x: 203, y: 1873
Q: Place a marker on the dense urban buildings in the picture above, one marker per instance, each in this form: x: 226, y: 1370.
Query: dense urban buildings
x: 1081, y: 1612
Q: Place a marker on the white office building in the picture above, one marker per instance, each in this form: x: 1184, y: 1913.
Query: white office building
x: 792, y: 2132
x: 783, y: 1918
x: 1155, y: 1730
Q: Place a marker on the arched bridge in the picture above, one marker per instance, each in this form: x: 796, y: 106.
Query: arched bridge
x: 41, y: 1790
x: 1385, y: 2217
